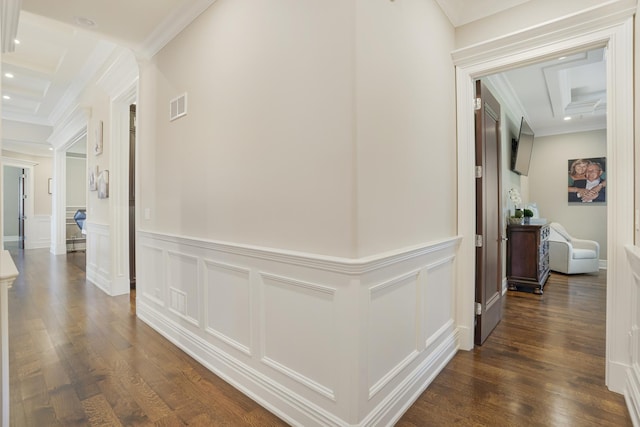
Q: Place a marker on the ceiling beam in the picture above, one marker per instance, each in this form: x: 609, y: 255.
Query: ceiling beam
x: 10, y: 17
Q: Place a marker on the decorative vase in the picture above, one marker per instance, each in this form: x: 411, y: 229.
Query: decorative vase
x: 527, y: 220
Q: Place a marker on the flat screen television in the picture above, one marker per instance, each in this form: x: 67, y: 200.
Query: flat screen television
x: 521, y: 149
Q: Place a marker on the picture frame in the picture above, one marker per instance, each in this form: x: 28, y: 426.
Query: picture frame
x: 93, y: 178
x: 98, y: 141
x: 103, y: 184
x: 587, y: 181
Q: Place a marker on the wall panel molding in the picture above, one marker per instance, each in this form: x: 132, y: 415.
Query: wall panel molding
x: 294, y: 330
x: 40, y: 235
x: 355, y: 266
x: 99, y: 256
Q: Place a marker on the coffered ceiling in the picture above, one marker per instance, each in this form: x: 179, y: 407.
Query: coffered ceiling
x: 64, y: 42
x: 561, y: 95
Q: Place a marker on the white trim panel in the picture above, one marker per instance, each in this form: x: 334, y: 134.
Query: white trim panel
x: 38, y: 232
x: 99, y: 256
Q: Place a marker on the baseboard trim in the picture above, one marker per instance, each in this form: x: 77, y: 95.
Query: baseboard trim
x: 281, y: 401
x: 276, y: 398
x: 390, y: 410
x: 100, y: 279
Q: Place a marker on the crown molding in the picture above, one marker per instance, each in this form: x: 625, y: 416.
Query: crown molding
x: 600, y: 16
x: 173, y: 24
x: 12, y: 161
x: 9, y: 23
x: 120, y: 74
x: 97, y: 60
x: 69, y: 129
x: 514, y: 108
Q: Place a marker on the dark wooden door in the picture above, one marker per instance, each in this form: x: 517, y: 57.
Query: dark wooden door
x: 21, y: 212
x: 488, y: 239
x: 132, y: 196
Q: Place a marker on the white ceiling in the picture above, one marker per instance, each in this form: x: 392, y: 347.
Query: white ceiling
x: 572, y: 87
x: 58, y: 53
x: 462, y: 12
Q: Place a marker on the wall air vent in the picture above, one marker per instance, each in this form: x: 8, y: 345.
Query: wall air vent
x: 178, y: 107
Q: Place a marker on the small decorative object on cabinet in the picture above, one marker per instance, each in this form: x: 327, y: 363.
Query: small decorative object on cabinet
x: 527, y: 257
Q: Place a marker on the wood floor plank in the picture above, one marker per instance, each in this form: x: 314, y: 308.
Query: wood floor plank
x: 543, y: 365
x: 99, y: 412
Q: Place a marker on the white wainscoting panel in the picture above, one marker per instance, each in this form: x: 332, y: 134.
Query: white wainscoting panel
x: 150, y: 274
x: 298, y: 331
x: 227, y: 296
x: 183, y: 287
x: 393, y: 330
x: 38, y: 232
x: 437, y: 298
x: 319, y: 341
x: 99, y: 256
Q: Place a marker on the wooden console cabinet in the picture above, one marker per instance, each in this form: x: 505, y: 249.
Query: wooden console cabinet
x: 527, y: 256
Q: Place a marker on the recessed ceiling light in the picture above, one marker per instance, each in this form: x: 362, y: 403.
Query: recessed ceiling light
x: 8, y: 75
x: 562, y: 58
x: 567, y: 118
x: 50, y: 148
x: 85, y: 22
x: 16, y: 41
x: 6, y: 97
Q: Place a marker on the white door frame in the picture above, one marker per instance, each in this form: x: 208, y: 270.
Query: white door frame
x: 596, y: 27
x: 59, y: 206
x: 119, y: 190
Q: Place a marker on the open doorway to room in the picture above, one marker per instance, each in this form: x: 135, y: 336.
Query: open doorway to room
x: 132, y: 196
x: 479, y: 61
x: 13, y: 209
x: 564, y: 101
x: 76, y: 195
x: 22, y: 189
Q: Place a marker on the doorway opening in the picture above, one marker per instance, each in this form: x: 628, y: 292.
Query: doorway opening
x: 496, y: 56
x: 564, y: 100
x: 13, y: 210
x: 132, y: 197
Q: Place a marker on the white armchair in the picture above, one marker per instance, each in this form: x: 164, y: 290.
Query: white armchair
x: 569, y: 255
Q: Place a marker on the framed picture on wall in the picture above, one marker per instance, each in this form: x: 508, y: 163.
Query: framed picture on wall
x: 93, y: 178
x: 103, y: 184
x: 587, y: 180
x: 97, y: 145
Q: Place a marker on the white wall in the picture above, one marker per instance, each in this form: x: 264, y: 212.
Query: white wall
x: 312, y: 187
x: 76, y: 181
x: 548, y: 184
x: 405, y: 125
x: 266, y: 151
x: 637, y: 118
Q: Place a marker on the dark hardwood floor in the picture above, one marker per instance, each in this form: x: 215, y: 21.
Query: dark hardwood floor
x: 544, y: 365
x: 78, y: 357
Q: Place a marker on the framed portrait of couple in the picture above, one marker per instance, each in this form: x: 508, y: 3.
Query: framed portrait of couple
x: 587, y: 181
